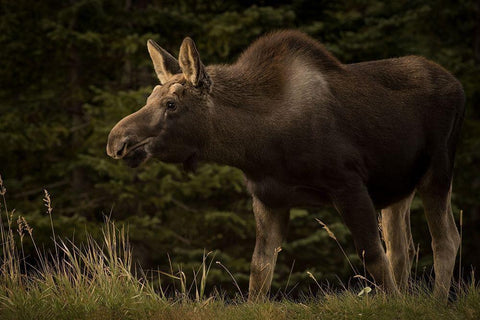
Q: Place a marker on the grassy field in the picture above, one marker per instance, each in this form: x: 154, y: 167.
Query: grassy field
x: 127, y: 300
x: 96, y: 281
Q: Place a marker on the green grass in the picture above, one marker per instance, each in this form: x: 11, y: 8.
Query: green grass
x: 96, y: 280
x: 132, y: 302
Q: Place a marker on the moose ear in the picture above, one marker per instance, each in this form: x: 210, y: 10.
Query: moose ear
x: 191, y: 65
x: 164, y: 63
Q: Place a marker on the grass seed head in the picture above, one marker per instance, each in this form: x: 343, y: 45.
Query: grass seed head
x: 47, y: 201
x: 21, y: 228
x: 27, y: 226
x: 324, y: 226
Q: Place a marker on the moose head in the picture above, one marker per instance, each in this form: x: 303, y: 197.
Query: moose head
x: 173, y: 126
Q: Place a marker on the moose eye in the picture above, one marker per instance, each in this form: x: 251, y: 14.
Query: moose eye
x: 171, y: 105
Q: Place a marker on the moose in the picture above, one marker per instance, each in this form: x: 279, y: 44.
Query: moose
x: 308, y: 130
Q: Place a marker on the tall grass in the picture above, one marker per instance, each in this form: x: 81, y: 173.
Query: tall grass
x: 70, y: 281
x: 77, y: 279
x: 97, y: 280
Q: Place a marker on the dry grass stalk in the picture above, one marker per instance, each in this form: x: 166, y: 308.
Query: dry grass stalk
x: 48, y: 204
x: 314, y: 279
x: 359, y: 276
x: 22, y: 228
x: 326, y: 228
x: 47, y: 201
x: 3, y: 190
x: 332, y: 235
x: 460, y: 251
x: 233, y: 278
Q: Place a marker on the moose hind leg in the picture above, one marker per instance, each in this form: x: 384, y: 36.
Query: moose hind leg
x: 445, y: 238
x: 412, y: 251
x: 271, y: 228
x: 359, y: 214
x: 398, y: 239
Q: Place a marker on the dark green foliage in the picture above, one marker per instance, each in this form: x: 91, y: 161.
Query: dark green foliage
x: 71, y: 70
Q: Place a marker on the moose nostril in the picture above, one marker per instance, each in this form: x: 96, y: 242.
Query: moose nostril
x: 120, y: 151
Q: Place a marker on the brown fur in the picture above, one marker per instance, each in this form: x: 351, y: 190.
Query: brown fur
x: 307, y: 130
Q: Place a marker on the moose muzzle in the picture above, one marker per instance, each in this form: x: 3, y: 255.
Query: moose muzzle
x: 128, y: 135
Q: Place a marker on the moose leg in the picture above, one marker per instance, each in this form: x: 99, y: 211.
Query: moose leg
x: 271, y: 228
x: 398, y: 239
x: 445, y: 237
x: 411, y: 245
x: 359, y: 214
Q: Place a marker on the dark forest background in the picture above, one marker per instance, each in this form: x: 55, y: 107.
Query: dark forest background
x: 71, y: 69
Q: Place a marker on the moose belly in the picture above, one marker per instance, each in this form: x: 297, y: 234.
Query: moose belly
x: 395, y: 183
x: 385, y: 186
x: 277, y: 194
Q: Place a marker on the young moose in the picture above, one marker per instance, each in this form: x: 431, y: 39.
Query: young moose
x: 308, y: 130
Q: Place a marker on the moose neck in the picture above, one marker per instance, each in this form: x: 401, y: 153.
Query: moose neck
x: 239, y: 126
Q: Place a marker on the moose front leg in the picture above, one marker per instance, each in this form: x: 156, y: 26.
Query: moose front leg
x: 271, y: 228
x: 358, y: 212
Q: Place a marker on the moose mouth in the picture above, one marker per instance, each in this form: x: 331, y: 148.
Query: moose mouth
x: 136, y: 155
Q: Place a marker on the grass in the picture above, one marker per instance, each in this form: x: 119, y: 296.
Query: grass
x: 96, y: 280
